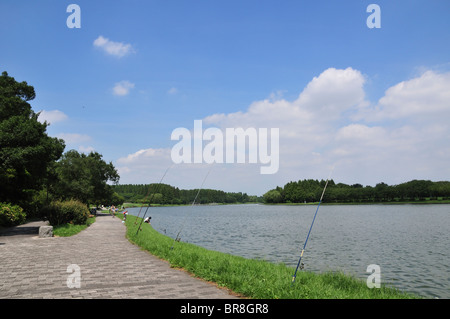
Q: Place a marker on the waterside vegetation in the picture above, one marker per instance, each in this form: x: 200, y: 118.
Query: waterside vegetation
x: 164, y: 194
x: 252, y: 278
x: 37, y: 179
x: 309, y: 190
x: 306, y: 191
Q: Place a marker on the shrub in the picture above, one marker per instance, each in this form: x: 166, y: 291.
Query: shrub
x: 11, y: 215
x: 71, y: 211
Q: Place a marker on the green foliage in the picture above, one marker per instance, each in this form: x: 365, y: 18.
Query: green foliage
x: 116, y: 199
x: 26, y: 151
x: 169, y: 195
x: 63, y: 212
x: 272, y: 197
x: 30, y: 173
x: 310, y: 191
x: 84, y: 177
x: 11, y: 215
x: 67, y: 230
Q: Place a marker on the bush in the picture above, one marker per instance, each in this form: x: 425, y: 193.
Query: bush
x: 71, y: 211
x: 11, y: 215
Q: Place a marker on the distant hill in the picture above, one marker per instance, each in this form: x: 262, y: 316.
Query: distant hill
x: 165, y: 194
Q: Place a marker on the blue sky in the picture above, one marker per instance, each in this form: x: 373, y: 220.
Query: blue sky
x: 137, y: 70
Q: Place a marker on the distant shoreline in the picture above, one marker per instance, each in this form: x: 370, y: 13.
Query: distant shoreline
x: 425, y: 202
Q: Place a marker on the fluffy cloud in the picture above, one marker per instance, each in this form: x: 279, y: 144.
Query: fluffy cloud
x: 323, y: 101
x: 117, y: 49
x: 52, y: 117
x: 403, y: 136
x: 144, y: 164
x: 122, y: 88
x: 425, y: 96
x: 411, y: 136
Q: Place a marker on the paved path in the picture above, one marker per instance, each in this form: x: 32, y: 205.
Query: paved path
x: 110, y: 267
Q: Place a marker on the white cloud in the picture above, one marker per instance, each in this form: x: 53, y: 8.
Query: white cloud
x: 117, y: 49
x: 144, y: 155
x: 144, y: 165
x: 423, y: 96
x: 333, y: 92
x: 324, y: 99
x: 52, y: 117
x: 172, y: 91
x: 74, y: 138
x: 86, y: 149
x: 359, y: 132
x: 405, y: 136
x: 122, y: 88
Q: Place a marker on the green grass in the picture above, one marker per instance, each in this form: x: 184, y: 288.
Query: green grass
x: 68, y: 230
x: 254, y: 278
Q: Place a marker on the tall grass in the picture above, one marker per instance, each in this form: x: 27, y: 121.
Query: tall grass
x: 254, y: 278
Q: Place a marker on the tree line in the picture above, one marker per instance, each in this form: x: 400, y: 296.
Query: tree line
x: 34, y: 170
x: 169, y: 195
x: 310, y: 190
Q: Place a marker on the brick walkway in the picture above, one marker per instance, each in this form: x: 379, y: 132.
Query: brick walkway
x: 110, y: 267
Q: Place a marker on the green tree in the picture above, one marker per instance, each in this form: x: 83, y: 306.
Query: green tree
x: 85, y: 177
x: 273, y: 196
x: 26, y: 151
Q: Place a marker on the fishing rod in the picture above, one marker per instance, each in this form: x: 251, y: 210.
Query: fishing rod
x: 145, y: 199
x: 159, y: 184
x: 177, y: 238
x: 309, y: 232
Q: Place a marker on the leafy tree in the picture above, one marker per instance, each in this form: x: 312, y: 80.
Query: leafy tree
x: 167, y: 194
x: 273, y: 196
x: 26, y: 151
x: 84, y: 177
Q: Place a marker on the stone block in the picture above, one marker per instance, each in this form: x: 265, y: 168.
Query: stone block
x: 45, y: 231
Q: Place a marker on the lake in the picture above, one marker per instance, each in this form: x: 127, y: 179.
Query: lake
x: 410, y: 243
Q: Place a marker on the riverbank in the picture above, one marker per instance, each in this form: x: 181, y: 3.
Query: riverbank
x: 417, y: 202
x: 253, y: 278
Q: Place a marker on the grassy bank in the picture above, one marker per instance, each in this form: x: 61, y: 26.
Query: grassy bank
x: 67, y: 230
x: 253, y: 278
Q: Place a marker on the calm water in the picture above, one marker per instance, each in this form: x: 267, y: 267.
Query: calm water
x: 410, y: 243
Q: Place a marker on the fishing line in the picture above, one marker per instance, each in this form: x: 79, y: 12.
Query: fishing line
x: 145, y: 199
x: 159, y: 184
x: 177, y: 238
x: 310, y: 228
